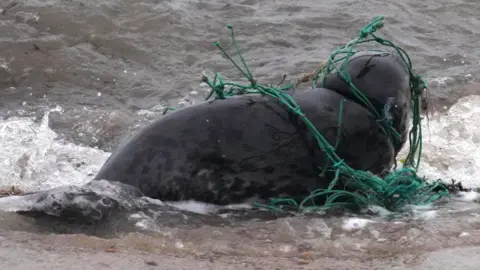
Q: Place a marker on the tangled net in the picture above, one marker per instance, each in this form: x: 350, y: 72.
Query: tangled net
x: 400, y: 187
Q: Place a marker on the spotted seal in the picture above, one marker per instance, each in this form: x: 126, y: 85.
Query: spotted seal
x: 252, y: 146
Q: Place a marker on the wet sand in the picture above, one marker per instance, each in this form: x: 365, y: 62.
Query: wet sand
x: 25, y: 251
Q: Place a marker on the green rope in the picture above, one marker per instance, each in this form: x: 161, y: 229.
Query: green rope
x: 416, y: 85
x: 398, y: 188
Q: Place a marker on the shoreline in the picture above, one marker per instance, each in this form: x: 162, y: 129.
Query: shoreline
x: 21, y: 250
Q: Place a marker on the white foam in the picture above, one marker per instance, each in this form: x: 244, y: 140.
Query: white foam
x: 353, y: 224
x: 470, y: 196
x: 14, y: 203
x: 451, y: 144
x: 204, y: 208
x: 33, y: 159
x: 426, y: 215
x: 194, y: 206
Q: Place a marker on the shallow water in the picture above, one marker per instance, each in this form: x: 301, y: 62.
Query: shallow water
x: 77, y: 77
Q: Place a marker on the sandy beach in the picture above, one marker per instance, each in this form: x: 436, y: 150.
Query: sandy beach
x: 21, y: 250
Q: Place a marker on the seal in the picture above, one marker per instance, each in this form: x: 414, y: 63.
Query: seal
x: 252, y: 146
x: 384, y: 79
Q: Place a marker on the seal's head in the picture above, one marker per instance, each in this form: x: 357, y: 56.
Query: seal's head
x: 384, y: 79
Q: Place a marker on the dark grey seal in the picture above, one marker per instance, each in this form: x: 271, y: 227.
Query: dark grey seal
x: 252, y: 146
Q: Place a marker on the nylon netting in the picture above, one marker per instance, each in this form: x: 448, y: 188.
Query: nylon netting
x: 401, y: 187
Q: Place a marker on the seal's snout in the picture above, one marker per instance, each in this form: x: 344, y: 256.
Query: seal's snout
x: 424, y: 101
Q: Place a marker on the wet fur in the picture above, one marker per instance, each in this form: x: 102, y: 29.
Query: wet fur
x: 227, y: 151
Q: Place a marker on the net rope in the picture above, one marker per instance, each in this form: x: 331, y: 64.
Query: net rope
x: 401, y: 187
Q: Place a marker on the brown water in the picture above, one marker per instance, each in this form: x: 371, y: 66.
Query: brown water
x: 113, y: 66
x: 141, y: 54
